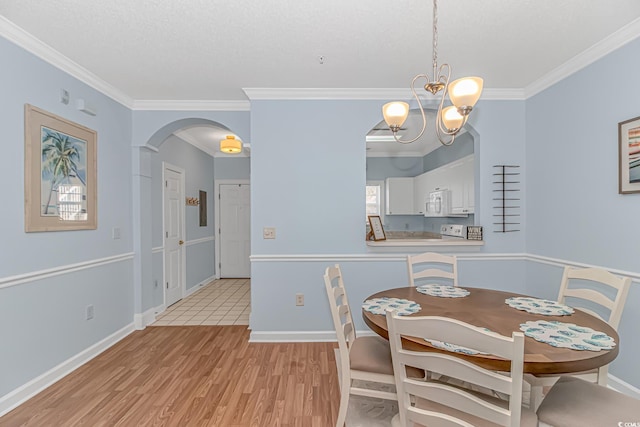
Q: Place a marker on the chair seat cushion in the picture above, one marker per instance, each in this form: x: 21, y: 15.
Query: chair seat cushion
x: 528, y: 418
x: 373, y: 354
x: 575, y: 402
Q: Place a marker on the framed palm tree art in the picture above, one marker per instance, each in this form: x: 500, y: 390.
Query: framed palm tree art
x: 60, y: 173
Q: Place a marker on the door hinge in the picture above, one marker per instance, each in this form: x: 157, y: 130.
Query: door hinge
x: 218, y: 196
x: 166, y: 234
x: 167, y: 285
x: 166, y: 183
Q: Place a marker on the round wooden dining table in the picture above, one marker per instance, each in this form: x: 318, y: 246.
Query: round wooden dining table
x: 487, y: 308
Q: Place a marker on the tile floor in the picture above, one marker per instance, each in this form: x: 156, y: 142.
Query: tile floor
x: 221, y: 302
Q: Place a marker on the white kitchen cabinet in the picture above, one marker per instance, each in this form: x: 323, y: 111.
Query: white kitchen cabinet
x: 399, y: 196
x: 437, y: 179
x: 462, y: 186
x: 420, y: 193
x: 455, y: 175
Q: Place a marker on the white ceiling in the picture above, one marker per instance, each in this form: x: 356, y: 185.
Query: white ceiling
x: 209, y: 50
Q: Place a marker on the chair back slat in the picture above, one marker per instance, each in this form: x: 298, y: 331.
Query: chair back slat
x: 432, y: 265
x: 340, y: 312
x: 593, y: 285
x: 465, y: 371
x: 458, y: 399
x: 450, y: 365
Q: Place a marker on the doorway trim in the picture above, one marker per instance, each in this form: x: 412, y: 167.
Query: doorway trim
x: 216, y: 197
x: 183, y: 258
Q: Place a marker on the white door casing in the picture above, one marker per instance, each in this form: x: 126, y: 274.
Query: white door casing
x: 173, y: 226
x: 234, y: 230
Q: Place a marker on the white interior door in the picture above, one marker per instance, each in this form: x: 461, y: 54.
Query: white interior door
x: 173, y: 235
x: 235, y: 244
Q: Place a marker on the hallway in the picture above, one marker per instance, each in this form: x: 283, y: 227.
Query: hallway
x: 221, y: 302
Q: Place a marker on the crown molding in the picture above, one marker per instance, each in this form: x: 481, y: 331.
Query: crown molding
x: 194, y: 105
x: 20, y: 37
x: 382, y: 94
x: 615, y: 41
x: 506, y: 94
x: 257, y: 93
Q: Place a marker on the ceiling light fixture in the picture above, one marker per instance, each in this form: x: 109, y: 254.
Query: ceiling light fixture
x: 463, y: 93
x: 231, y: 145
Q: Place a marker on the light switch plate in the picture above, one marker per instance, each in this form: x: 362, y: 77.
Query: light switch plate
x: 269, y: 233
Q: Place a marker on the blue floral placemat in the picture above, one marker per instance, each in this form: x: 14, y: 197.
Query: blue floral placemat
x: 444, y: 291
x: 567, y: 335
x: 403, y: 307
x: 455, y: 348
x: 539, y: 306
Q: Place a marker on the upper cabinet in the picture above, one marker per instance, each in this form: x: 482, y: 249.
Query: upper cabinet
x: 462, y: 185
x: 457, y: 177
x: 420, y: 194
x: 399, y: 196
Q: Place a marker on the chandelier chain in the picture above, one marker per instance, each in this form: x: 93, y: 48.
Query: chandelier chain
x: 435, y: 38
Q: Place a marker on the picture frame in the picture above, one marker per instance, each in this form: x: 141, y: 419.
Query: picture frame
x: 60, y: 182
x: 377, y: 230
x: 203, y: 208
x: 629, y: 156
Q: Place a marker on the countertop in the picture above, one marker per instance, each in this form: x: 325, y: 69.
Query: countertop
x: 420, y: 238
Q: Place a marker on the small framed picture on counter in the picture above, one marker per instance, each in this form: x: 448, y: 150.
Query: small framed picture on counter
x: 377, y: 231
x: 474, y: 232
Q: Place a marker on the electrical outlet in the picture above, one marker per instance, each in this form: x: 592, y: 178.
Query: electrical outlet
x: 90, y: 312
x: 299, y: 299
x: 269, y: 233
x: 115, y: 233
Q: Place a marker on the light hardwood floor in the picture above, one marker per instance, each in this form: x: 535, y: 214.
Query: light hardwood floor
x: 192, y: 376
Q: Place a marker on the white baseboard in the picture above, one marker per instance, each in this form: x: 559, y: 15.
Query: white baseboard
x: 299, y: 336
x: 35, y: 386
x: 143, y: 320
x: 623, y: 387
x: 292, y: 336
x: 199, y: 286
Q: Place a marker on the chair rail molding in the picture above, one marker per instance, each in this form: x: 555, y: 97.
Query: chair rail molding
x: 19, y: 279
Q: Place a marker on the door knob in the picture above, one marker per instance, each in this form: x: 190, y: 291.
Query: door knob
x: 181, y: 242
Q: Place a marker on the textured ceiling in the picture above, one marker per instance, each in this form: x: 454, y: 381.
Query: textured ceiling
x: 157, y: 52
x: 210, y: 50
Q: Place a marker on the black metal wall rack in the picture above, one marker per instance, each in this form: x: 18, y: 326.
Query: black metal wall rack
x: 506, y: 207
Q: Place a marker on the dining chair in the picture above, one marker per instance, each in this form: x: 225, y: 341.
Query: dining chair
x: 573, y: 402
x: 365, y: 358
x: 585, y: 289
x: 438, y: 403
x: 431, y: 265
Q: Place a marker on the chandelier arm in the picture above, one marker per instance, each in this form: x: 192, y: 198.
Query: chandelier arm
x: 439, y: 125
x: 424, y: 118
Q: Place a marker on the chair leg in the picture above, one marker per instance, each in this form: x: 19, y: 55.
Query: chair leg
x: 536, y: 396
x: 344, y: 402
x: 603, y: 374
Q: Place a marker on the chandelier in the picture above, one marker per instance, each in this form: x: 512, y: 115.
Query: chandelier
x: 463, y: 93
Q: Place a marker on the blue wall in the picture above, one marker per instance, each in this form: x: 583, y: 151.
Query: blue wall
x: 314, y: 197
x: 198, y: 175
x: 48, y: 279
x: 574, y: 211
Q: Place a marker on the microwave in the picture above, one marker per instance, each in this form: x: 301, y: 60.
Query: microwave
x: 438, y: 203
